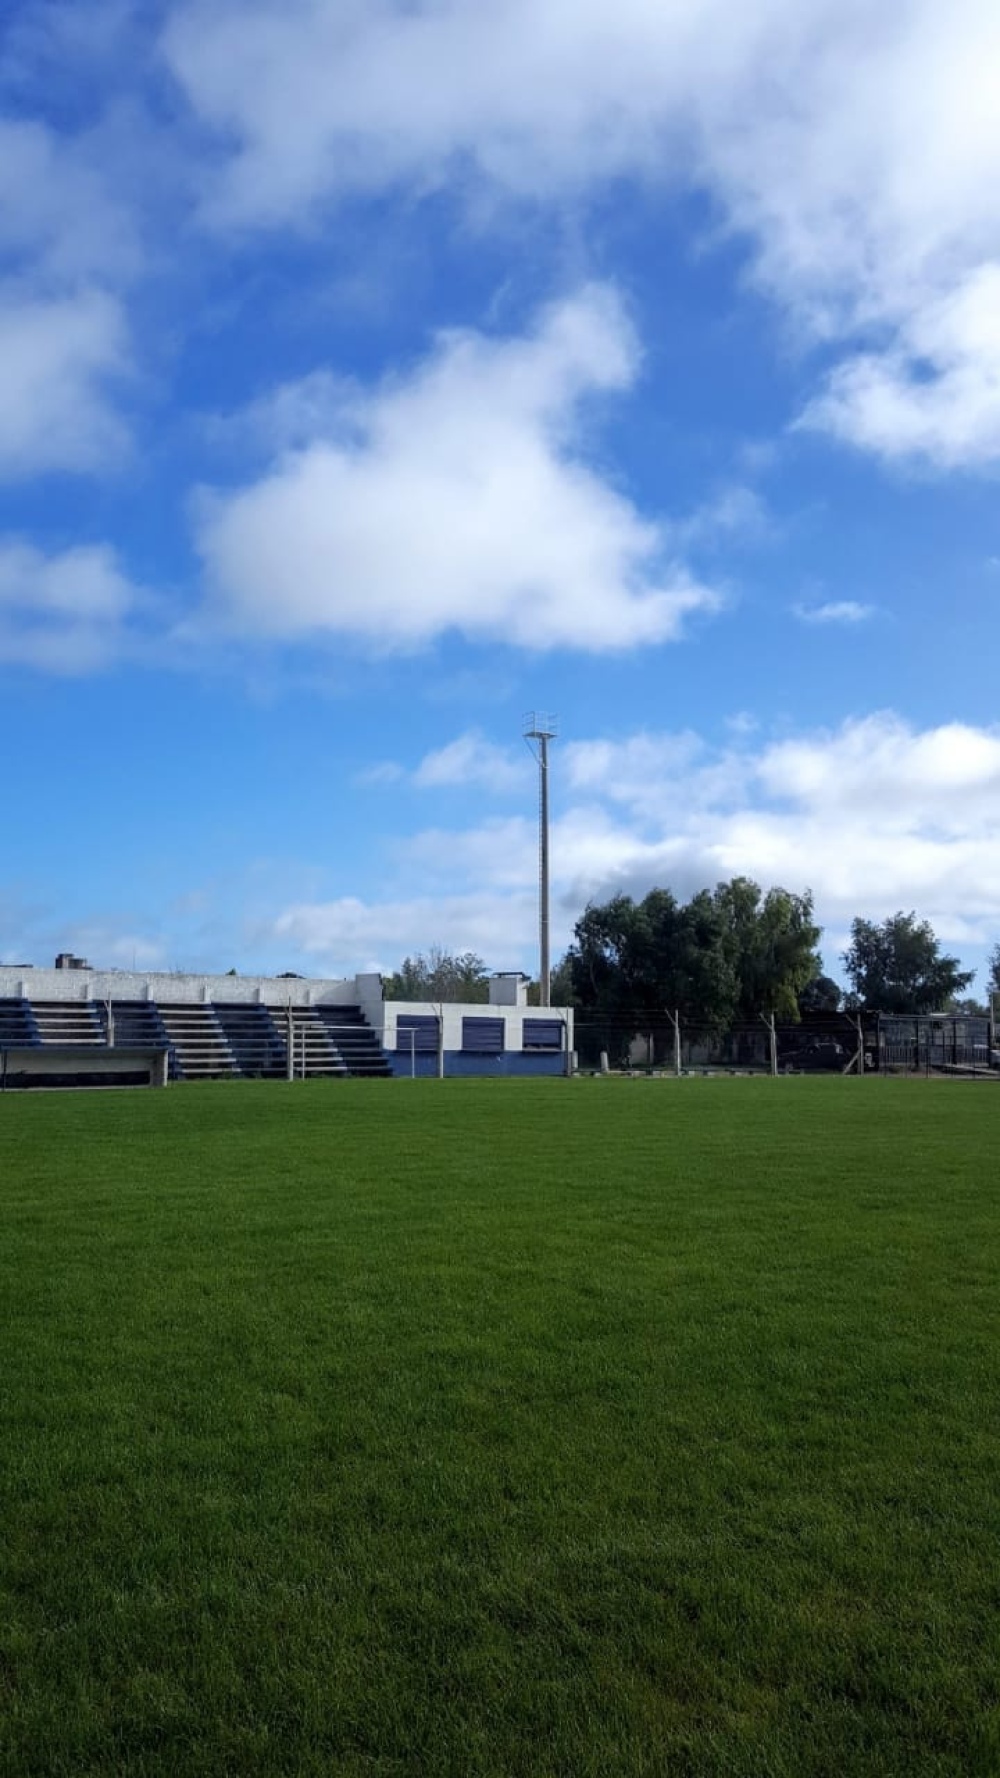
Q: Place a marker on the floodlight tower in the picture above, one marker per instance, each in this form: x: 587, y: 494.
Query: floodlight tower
x: 539, y: 730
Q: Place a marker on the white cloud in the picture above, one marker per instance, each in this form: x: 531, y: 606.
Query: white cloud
x: 288, y: 418
x: 873, y: 816
x: 735, y: 511
x: 56, y: 358
x: 58, y: 208
x: 383, y: 94
x: 835, y: 611
x: 499, y: 852
x: 384, y: 771
x: 742, y: 723
x: 69, y: 244
x: 348, y: 935
x: 857, y: 148
x: 949, y: 776
x: 641, y: 759
x: 935, y: 395
x: 472, y: 760
x: 64, y: 613
x: 458, y: 498
x: 649, y: 774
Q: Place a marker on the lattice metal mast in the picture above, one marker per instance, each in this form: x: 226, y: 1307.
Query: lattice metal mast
x: 539, y: 730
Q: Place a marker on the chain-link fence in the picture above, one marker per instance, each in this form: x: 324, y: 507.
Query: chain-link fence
x: 839, y: 1043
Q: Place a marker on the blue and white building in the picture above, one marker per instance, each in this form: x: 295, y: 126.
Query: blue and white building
x: 278, y: 1027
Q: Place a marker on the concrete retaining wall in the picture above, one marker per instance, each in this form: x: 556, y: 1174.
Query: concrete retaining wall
x: 81, y: 1064
x: 460, y: 1064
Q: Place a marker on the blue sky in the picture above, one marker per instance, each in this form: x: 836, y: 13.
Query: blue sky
x: 376, y: 373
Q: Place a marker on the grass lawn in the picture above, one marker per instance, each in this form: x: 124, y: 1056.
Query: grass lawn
x: 576, y: 1428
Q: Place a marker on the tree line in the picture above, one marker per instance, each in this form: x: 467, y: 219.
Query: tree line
x: 723, y: 958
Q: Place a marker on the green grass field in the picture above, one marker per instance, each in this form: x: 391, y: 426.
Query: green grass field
x: 577, y: 1428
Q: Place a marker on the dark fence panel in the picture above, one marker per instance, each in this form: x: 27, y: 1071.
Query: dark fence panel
x: 932, y: 1044
x: 937, y: 1043
x: 647, y: 1040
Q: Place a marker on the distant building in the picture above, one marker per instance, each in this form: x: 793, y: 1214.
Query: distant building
x: 220, y: 1026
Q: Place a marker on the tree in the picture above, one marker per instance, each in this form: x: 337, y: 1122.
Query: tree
x: 440, y: 976
x: 993, y: 984
x: 771, y: 943
x: 820, y: 995
x: 968, y: 1007
x: 561, y: 989
x: 634, y: 963
x: 650, y: 958
x: 897, y: 966
x: 725, y: 956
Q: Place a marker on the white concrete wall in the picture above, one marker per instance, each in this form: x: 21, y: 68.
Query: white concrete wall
x: 368, y: 995
x: 513, y: 1018
x: 170, y: 989
x: 508, y: 990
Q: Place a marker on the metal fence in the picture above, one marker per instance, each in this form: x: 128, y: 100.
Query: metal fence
x: 939, y: 1043
x: 840, y: 1043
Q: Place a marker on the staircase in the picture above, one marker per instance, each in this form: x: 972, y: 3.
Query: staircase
x: 68, y: 1022
x: 313, y: 1051
x: 198, y: 1042
x: 353, y: 1038
x: 257, y: 1046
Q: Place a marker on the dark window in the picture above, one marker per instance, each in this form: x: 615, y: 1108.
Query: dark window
x: 485, y: 1036
x: 542, y: 1034
x: 416, y: 1034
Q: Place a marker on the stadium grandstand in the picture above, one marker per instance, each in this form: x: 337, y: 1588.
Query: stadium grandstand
x: 72, y: 1023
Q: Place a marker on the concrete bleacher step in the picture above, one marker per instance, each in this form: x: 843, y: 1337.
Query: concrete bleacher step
x: 136, y: 1024
x: 257, y: 1047
x: 197, y: 1040
x: 207, y: 1040
x: 17, y: 1025
x: 355, y: 1041
x: 313, y: 1052
x: 67, y: 1022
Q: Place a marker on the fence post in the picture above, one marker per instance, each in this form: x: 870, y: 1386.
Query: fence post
x: 440, y: 1054
x: 768, y: 1020
x: 675, y: 1020
x: 290, y: 1057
